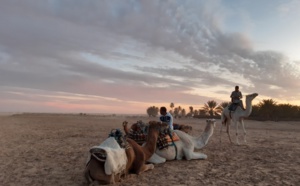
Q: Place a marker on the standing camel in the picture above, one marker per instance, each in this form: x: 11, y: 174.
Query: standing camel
x: 237, y: 116
x: 136, y: 157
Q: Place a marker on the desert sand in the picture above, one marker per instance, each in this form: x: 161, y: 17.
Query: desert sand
x: 51, y: 149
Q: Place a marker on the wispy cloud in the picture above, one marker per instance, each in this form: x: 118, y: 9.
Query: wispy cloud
x: 134, y: 51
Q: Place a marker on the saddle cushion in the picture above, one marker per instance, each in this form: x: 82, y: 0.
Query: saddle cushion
x: 164, y: 140
x: 115, y: 156
x: 233, y: 106
x: 174, y: 137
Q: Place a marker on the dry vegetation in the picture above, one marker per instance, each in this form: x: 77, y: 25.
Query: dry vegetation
x: 51, y: 149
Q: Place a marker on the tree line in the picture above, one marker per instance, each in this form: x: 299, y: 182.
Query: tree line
x: 266, y: 109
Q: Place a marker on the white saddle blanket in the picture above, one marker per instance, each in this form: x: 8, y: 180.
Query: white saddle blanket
x: 116, y: 159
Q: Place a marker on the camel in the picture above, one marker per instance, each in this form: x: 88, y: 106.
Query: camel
x: 184, y: 148
x: 136, y: 157
x: 237, y: 116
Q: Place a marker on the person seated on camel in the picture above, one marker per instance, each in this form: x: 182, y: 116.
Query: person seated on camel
x: 166, y: 117
x: 236, y: 97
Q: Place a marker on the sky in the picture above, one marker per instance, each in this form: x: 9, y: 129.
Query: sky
x: 123, y: 56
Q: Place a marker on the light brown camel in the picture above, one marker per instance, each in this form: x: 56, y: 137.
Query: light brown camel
x: 237, y: 116
x: 136, y: 158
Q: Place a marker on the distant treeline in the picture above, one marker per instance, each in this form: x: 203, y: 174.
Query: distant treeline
x: 267, y: 109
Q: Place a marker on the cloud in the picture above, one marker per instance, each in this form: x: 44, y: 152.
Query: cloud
x: 144, y: 51
x: 288, y: 8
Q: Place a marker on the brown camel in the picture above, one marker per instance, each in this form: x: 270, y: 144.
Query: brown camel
x: 136, y: 158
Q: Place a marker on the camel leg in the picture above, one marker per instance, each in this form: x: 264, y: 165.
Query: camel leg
x: 228, y: 132
x: 227, y: 123
x: 145, y: 167
x: 156, y: 159
x: 237, y: 135
x: 243, y: 125
x: 221, y: 131
x: 191, y: 155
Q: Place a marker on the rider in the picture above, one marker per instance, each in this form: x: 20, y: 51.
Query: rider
x: 166, y: 117
x: 236, y: 97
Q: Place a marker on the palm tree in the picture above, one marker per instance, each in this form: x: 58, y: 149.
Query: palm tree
x: 286, y: 111
x: 196, y: 112
x: 266, y: 108
x: 191, y: 112
x: 191, y: 109
x: 172, y: 106
x: 183, y: 113
x: 179, y: 108
x: 176, y: 112
x: 212, y: 108
x: 152, y: 111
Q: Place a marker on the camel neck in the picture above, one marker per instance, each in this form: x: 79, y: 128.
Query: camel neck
x: 202, y: 140
x: 248, y: 108
x: 150, y: 145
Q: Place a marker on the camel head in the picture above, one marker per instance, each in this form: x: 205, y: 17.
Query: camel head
x: 125, y: 123
x: 210, y: 125
x: 250, y: 97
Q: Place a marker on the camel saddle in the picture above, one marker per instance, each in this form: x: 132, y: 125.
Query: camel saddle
x: 232, y: 107
x: 119, y: 137
x: 164, y: 140
x: 139, y: 135
x: 100, y: 154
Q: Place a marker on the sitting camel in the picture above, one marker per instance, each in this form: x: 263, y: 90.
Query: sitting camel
x: 98, y: 170
x: 184, y: 147
x: 237, y: 116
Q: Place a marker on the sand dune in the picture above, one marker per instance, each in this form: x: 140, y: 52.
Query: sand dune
x: 51, y: 149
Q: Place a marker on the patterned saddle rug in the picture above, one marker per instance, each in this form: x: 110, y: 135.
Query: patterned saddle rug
x: 140, y: 133
x: 119, y: 137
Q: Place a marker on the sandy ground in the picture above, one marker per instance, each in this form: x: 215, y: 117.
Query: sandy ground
x: 51, y: 149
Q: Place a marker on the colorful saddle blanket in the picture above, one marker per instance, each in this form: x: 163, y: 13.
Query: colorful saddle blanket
x: 165, y: 140
x: 119, y: 137
x: 140, y: 135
